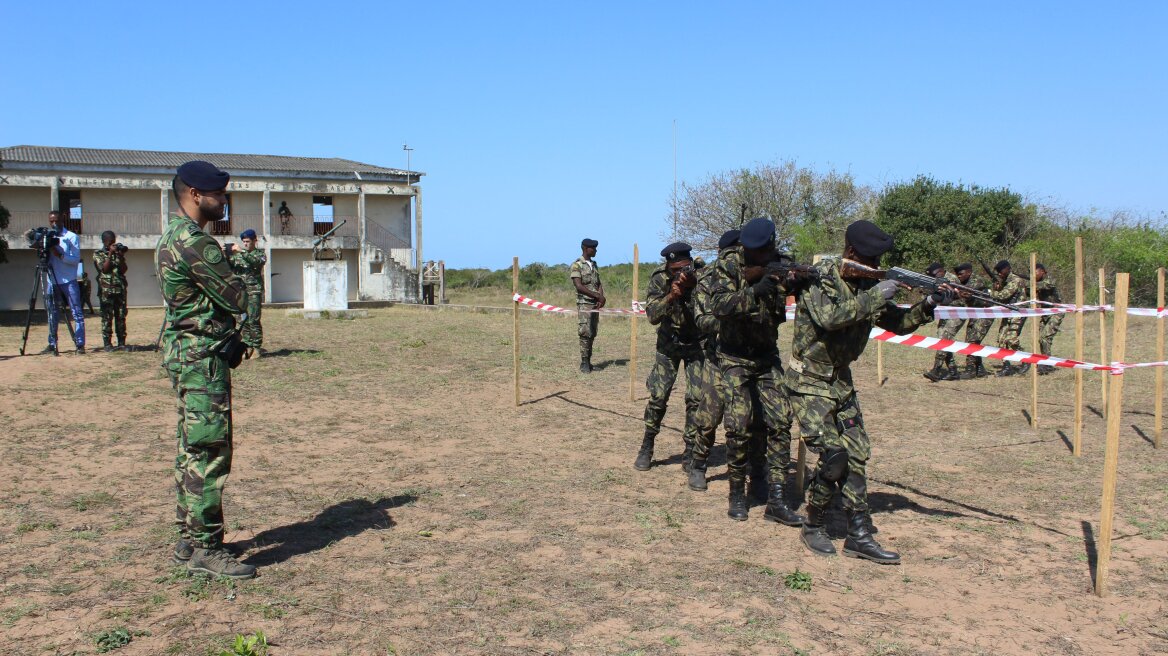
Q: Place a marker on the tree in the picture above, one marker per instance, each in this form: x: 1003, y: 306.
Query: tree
x: 810, y: 209
x: 4, y: 215
x: 933, y: 221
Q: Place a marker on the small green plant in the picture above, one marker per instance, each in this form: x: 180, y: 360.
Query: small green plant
x: 111, y: 639
x: 672, y: 641
x: 798, y: 580
x: 255, y: 644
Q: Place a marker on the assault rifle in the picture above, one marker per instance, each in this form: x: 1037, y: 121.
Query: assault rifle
x: 853, y: 269
x: 780, y: 265
x: 994, y: 274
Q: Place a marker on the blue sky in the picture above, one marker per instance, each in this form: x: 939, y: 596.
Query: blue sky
x: 540, y: 123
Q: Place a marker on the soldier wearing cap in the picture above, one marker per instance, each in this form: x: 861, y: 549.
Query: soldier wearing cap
x: 1049, y: 324
x: 200, y: 345
x: 833, y: 318
x: 589, y: 298
x: 944, y: 364
x: 248, y: 263
x: 1009, y: 288
x: 750, y: 304
x: 667, y: 306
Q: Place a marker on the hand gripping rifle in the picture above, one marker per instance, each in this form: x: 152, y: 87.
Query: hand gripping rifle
x: 853, y: 269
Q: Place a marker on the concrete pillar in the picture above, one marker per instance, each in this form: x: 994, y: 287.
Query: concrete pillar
x: 164, y: 207
x: 266, y: 206
x: 418, y: 232
x: 55, y: 190
x: 362, y: 258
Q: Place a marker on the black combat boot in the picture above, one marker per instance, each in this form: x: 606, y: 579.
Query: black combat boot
x: 952, y: 373
x: 815, y: 533
x: 980, y: 370
x: 777, y: 510
x: 645, y: 456
x: 106, y: 346
x: 737, y: 509
x: 936, y: 373
x: 861, y: 544
x: 585, y: 365
x: 1044, y: 369
x: 697, y: 475
x: 1008, y: 369
x: 969, y: 373
x: 1023, y: 368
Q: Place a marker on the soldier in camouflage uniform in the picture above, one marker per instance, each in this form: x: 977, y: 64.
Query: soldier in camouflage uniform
x: 110, y: 263
x: 750, y: 304
x: 833, y: 318
x: 199, y: 346
x: 713, y: 394
x: 1049, y: 324
x: 975, y: 332
x: 86, y: 286
x: 944, y: 363
x: 1009, y: 288
x: 667, y: 306
x: 589, y: 298
x: 248, y: 263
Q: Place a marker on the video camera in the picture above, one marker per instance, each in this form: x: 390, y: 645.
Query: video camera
x: 121, y: 248
x: 43, y: 239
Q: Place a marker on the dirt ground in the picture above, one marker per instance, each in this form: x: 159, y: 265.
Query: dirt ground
x: 397, y: 503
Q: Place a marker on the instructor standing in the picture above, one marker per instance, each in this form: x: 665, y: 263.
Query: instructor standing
x: 199, y: 346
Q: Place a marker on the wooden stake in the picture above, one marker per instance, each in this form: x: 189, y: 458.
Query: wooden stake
x: 1077, y: 441
x: 1103, y: 336
x: 1111, y: 455
x: 515, y: 326
x: 1034, y: 348
x: 633, y: 326
x: 1159, y: 357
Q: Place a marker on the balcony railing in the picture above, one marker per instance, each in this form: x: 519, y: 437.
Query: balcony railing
x: 307, y: 225
x: 92, y: 223
x: 149, y: 223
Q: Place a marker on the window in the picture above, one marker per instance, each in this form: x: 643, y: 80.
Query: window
x: 70, y: 204
x: 322, y: 214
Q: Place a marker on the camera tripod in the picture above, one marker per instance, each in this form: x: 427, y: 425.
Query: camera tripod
x: 39, y: 287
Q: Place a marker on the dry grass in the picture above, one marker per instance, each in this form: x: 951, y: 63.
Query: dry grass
x: 397, y: 503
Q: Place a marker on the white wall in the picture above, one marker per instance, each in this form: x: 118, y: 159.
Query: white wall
x: 288, y: 287
x: 391, y: 213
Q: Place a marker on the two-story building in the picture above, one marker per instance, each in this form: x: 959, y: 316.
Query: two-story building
x: 288, y: 201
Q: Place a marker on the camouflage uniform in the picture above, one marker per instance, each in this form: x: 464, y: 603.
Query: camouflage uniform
x: 249, y: 265
x: 588, y: 318
x: 975, y: 332
x: 713, y: 393
x: 86, y: 287
x: 1049, y: 324
x: 833, y: 318
x: 947, y: 329
x: 201, y: 295
x: 748, y: 355
x: 111, y: 292
x: 1010, y: 330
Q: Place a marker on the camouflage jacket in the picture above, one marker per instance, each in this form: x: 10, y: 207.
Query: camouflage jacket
x: 701, y: 304
x: 833, y: 318
x: 199, y: 289
x: 114, y: 282
x: 589, y: 275
x: 249, y: 265
x: 675, y: 321
x: 1047, y: 291
x: 748, y: 327
x: 957, y: 300
x: 1012, y: 291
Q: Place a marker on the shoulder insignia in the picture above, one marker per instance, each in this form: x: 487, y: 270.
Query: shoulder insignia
x: 212, y: 254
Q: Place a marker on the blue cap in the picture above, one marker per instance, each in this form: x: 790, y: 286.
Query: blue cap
x: 757, y: 233
x: 203, y: 176
x: 248, y: 234
x: 729, y: 238
x: 678, y: 250
x: 589, y: 243
x: 867, y: 239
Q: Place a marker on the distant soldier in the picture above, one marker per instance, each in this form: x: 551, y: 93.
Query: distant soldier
x: 248, y: 263
x: 110, y: 263
x: 1009, y: 288
x: 1049, y: 324
x: 86, y: 286
x: 944, y: 363
x: 285, y: 214
x: 199, y: 346
x: 833, y: 318
x: 667, y: 306
x: 589, y: 298
x: 713, y: 395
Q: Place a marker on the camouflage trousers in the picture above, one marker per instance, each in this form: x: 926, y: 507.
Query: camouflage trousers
x: 1047, y: 329
x: 826, y: 423
x: 947, y: 329
x: 711, y: 406
x: 1010, y: 333
x: 660, y: 384
x: 113, y: 317
x: 252, y: 331
x: 757, y: 416
x: 975, y: 332
x: 204, y: 447
x: 589, y: 323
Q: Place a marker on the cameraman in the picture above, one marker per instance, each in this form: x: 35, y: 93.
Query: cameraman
x: 110, y: 263
x: 64, y: 263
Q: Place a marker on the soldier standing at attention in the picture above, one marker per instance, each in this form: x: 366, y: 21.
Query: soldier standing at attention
x: 110, y: 263
x: 667, y: 306
x: 833, y: 318
x: 1049, y: 324
x: 248, y: 263
x: 589, y: 298
x: 1009, y: 288
x: 750, y: 307
x: 944, y: 363
x: 199, y: 346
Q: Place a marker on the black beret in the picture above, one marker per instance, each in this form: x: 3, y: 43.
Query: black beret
x: 935, y: 266
x: 1002, y: 264
x: 248, y: 234
x: 964, y: 266
x: 729, y: 238
x: 757, y: 232
x: 678, y: 250
x: 1040, y: 265
x: 868, y: 239
x: 203, y: 176
x: 589, y: 243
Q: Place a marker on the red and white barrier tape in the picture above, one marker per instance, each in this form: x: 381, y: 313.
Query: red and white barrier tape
x: 637, y: 308
x: 948, y: 312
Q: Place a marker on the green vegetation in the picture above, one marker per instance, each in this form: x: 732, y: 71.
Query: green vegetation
x: 798, y: 580
x: 255, y: 644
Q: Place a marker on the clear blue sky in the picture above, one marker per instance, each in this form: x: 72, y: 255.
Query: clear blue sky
x: 540, y: 123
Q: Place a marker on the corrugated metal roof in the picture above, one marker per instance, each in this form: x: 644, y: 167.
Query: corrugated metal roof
x: 98, y: 158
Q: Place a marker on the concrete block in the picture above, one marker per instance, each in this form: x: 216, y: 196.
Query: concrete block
x: 326, y: 285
